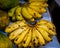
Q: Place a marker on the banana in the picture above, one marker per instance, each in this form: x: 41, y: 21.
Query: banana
x: 26, y: 14
x: 34, y: 13
x: 30, y: 11
x: 31, y: 43
x: 15, y: 33
x: 24, y: 40
x: 28, y: 39
x: 14, y: 26
x: 18, y: 13
x: 20, y: 37
x: 44, y: 34
x: 35, y: 8
x: 12, y: 11
x: 41, y: 4
x: 20, y: 45
x: 38, y: 9
x: 39, y: 37
x: 34, y: 39
x: 44, y: 27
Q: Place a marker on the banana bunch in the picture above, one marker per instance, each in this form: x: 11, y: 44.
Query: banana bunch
x: 20, y: 33
x: 15, y: 13
x: 29, y: 11
x: 43, y: 31
x: 29, y: 36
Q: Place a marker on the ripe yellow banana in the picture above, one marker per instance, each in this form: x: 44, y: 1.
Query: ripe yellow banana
x: 28, y: 39
x: 24, y: 40
x: 18, y: 13
x: 14, y: 26
x: 41, y: 4
x: 34, y: 13
x: 44, y: 34
x: 26, y: 14
x: 31, y: 43
x: 11, y: 11
x: 35, y: 41
x: 44, y: 27
x: 30, y: 11
x: 39, y: 37
x: 35, y: 8
x: 20, y: 37
x: 16, y: 32
x: 20, y: 45
x: 38, y: 9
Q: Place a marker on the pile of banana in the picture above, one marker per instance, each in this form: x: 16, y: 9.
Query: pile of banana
x: 30, y: 11
x: 29, y: 36
x: 23, y: 33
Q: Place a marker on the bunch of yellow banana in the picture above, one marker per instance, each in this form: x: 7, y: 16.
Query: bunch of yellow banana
x: 26, y: 35
x: 21, y: 33
x: 15, y: 13
x: 29, y: 11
